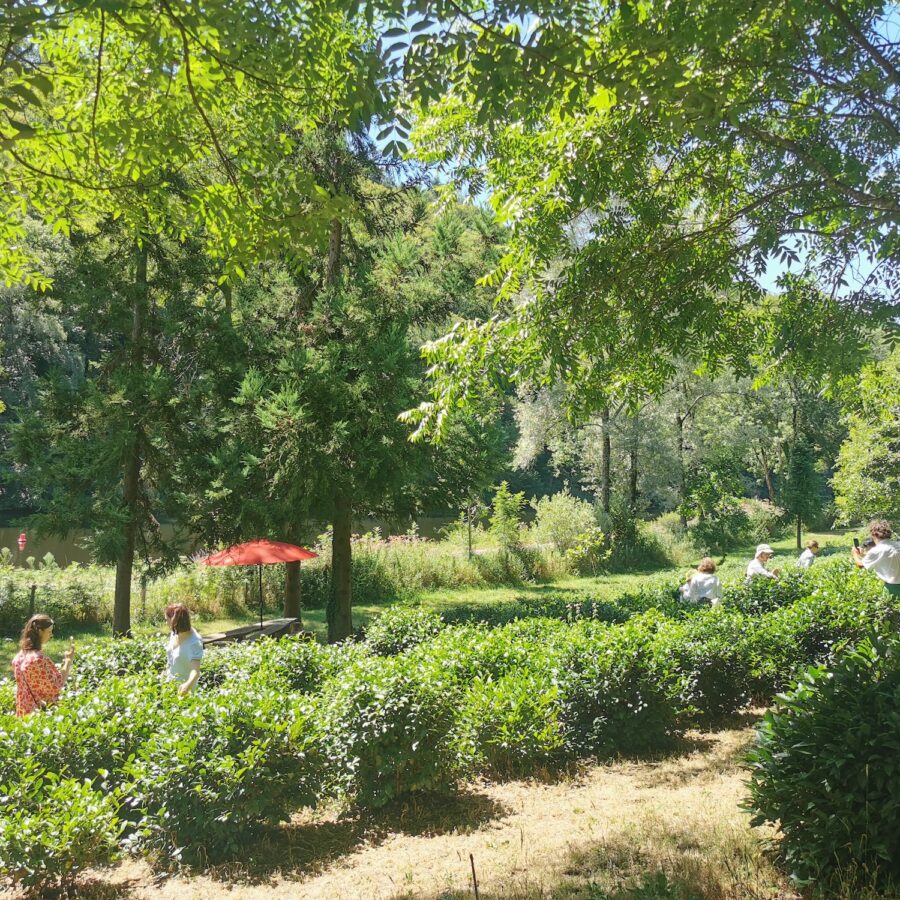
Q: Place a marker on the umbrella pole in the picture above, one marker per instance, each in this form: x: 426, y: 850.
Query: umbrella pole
x: 259, y: 570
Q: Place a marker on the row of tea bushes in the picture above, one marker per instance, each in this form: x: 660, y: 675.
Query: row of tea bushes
x: 278, y: 725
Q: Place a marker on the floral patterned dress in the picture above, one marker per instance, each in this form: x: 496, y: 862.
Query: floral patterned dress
x: 38, y: 681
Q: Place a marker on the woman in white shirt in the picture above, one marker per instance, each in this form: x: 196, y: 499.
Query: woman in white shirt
x: 883, y: 559
x: 184, y: 650
x: 704, y: 584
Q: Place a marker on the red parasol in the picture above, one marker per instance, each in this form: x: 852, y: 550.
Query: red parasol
x: 258, y: 553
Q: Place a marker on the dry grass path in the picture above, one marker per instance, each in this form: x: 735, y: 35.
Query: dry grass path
x: 669, y: 828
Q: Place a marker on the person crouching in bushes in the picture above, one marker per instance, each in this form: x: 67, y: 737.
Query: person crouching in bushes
x: 38, y: 680
x: 184, y: 650
x: 703, y: 585
x: 883, y: 558
x: 757, y: 566
x: 808, y: 556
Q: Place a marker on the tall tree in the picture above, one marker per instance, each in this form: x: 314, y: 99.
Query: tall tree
x: 754, y: 135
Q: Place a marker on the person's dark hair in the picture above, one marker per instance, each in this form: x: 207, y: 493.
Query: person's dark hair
x: 707, y: 564
x: 178, y: 617
x: 31, y: 638
x: 880, y: 529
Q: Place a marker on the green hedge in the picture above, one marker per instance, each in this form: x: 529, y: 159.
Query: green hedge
x: 826, y: 769
x: 419, y: 703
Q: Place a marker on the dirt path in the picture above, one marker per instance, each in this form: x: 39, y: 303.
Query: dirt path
x: 667, y: 829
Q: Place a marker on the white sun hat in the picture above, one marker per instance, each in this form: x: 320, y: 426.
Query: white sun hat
x: 764, y: 548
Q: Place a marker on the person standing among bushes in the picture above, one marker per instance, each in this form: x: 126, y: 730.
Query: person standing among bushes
x: 884, y: 558
x: 808, y: 556
x: 38, y: 680
x: 704, y: 584
x: 757, y: 566
x: 184, y: 651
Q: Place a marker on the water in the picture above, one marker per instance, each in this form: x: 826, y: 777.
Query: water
x: 71, y: 550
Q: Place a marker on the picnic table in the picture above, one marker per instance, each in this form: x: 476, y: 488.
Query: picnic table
x: 270, y: 628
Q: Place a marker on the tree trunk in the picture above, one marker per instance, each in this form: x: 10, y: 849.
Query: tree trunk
x: 340, y: 616
x: 469, y: 514
x: 799, y: 534
x: 682, y: 486
x: 292, y: 590
x: 605, y: 453
x: 132, y: 462
x: 334, y: 253
x: 633, y: 477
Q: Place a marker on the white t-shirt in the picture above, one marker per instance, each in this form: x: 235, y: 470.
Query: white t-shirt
x: 884, y: 560
x: 702, y: 586
x: 807, y: 558
x: 181, y: 657
x: 756, y: 569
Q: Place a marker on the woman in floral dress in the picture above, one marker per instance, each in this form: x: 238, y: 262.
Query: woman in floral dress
x: 38, y: 680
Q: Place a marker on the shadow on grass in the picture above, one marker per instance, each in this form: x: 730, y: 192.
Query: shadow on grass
x: 307, y: 845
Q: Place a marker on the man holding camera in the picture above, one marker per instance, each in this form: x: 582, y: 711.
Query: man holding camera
x: 884, y: 557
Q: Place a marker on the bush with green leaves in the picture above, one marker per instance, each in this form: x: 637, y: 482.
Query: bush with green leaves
x: 292, y: 663
x: 224, y: 766
x: 385, y: 728
x: 401, y: 627
x: 614, y: 689
x: 561, y: 519
x: 826, y: 769
x: 97, y: 662
x: 710, y: 662
x: 53, y: 827
x: 762, y: 595
x: 509, y: 725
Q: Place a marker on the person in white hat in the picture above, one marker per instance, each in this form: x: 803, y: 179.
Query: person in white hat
x: 757, y: 566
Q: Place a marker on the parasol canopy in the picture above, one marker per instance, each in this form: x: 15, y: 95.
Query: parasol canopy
x: 255, y: 553
x: 258, y: 553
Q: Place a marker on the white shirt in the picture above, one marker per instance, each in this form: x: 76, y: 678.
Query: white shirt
x: 757, y: 570
x: 702, y: 586
x: 181, y: 657
x: 884, y: 560
x: 807, y: 558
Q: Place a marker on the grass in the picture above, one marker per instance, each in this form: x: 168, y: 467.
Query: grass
x: 445, y: 599
x: 656, y: 829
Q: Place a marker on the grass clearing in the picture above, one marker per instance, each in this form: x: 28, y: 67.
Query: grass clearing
x: 641, y: 830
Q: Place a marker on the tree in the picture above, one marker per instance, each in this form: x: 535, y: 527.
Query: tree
x: 96, y: 453
x: 752, y: 134
x: 867, y: 480
x: 107, y: 107
x: 802, y: 494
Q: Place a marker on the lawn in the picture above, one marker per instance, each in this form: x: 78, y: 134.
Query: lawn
x: 604, y: 587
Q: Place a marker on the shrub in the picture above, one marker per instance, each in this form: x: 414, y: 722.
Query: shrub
x: 765, y: 521
x: 826, y: 768
x: 98, y: 662
x: 52, y: 827
x: 293, y: 663
x: 762, y: 595
x: 561, y: 519
x: 510, y: 725
x: 400, y: 628
x: 710, y: 663
x: 506, y: 513
x: 217, y: 770
x: 386, y: 726
x: 614, y: 690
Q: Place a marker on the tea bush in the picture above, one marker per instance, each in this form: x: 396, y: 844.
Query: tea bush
x: 400, y: 628
x: 52, y: 827
x: 385, y: 731
x: 199, y: 787
x: 614, y: 689
x: 826, y: 768
x: 510, y: 725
